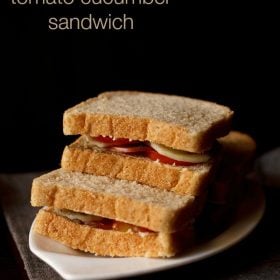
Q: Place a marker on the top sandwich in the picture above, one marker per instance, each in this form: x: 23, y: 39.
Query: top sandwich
x: 177, y: 122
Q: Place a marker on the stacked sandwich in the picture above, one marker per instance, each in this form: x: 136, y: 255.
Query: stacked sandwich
x: 225, y: 192
x: 137, y: 178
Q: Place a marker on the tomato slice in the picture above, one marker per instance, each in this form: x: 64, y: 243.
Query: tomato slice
x: 115, y: 142
x: 141, y: 229
x: 109, y: 224
x: 124, y: 227
x: 154, y: 155
x: 102, y: 224
x: 123, y: 145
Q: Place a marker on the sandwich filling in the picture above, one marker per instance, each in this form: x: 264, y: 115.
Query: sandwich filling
x: 99, y: 222
x: 153, y: 151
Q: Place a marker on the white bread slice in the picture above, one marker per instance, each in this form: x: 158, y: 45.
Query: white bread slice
x: 120, y: 200
x: 83, y: 157
x: 110, y: 242
x: 178, y: 122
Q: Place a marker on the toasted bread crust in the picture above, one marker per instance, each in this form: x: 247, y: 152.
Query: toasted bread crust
x: 194, y: 130
x: 191, y: 180
x: 108, y: 242
x: 57, y: 189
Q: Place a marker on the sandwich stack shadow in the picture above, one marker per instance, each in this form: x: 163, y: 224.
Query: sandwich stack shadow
x: 143, y: 170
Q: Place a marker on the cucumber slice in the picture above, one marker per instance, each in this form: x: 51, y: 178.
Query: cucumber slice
x: 85, y: 218
x: 180, y: 155
x: 96, y: 143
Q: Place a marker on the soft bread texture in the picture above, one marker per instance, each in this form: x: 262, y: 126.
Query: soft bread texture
x: 83, y: 157
x: 108, y: 242
x: 121, y: 200
x: 178, y: 122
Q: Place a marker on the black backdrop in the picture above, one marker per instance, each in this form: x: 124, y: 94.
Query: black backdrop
x: 216, y: 52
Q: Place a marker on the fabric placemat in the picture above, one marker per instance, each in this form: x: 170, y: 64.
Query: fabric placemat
x: 19, y: 215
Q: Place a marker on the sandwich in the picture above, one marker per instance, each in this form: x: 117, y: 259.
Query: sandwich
x: 136, y: 179
x: 112, y: 217
x: 163, y: 141
x: 228, y: 187
x: 238, y: 154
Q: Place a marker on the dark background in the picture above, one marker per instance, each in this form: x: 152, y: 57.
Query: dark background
x: 224, y: 53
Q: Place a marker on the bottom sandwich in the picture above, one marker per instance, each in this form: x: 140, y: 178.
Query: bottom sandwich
x: 105, y: 237
x: 111, y: 217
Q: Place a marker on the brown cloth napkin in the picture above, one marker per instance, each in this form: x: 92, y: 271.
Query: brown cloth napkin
x: 19, y: 215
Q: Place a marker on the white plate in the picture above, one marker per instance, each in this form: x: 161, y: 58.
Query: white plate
x: 76, y: 265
